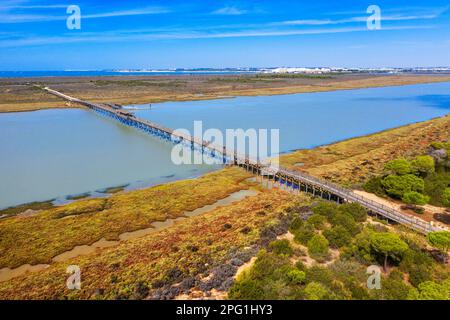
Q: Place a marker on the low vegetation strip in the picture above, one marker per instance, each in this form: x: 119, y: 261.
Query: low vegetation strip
x: 183, y: 254
x: 353, y: 161
x: 39, y: 237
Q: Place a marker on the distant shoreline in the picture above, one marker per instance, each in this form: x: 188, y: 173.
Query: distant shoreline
x: 16, y: 95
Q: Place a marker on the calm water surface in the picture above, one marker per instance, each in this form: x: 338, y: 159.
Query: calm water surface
x: 310, y: 119
x: 54, y: 153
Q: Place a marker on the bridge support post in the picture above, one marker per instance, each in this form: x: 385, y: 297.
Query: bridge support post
x: 224, y: 154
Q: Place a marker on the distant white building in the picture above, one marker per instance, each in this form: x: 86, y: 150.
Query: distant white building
x: 300, y: 70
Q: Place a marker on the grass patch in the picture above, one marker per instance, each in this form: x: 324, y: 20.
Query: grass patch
x: 185, y: 250
x: 38, y: 238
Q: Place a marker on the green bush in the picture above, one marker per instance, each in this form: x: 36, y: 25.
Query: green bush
x: 424, y: 165
x: 296, y: 224
x: 398, y: 166
x: 338, y: 236
x: 318, y: 221
x: 440, y: 240
x: 357, y: 211
x: 397, y: 186
x: 435, y: 186
x: 327, y: 209
x: 362, y: 248
x: 318, y: 246
x: 246, y: 289
x: 266, y: 264
x: 304, y: 234
x: 346, y: 221
x: 296, y: 276
x: 374, y: 185
x: 418, y: 265
x: 430, y: 291
x: 392, y: 289
x: 413, y: 197
x: 446, y: 197
x: 437, y: 145
x: 300, y: 266
x: 316, y: 291
x: 319, y: 274
x: 281, y: 247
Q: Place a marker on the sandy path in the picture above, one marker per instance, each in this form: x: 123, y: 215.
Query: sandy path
x: 427, y: 215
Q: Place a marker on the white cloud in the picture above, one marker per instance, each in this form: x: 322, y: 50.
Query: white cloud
x: 230, y: 11
x: 8, y: 17
x: 130, y: 35
x: 397, y: 17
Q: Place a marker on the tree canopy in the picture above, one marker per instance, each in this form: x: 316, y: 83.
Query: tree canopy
x: 413, y: 197
x: 440, y: 240
x: 398, y: 166
x: 423, y: 164
x: 396, y: 186
x: 389, y: 245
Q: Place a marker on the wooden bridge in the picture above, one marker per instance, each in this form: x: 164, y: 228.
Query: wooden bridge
x: 290, y: 180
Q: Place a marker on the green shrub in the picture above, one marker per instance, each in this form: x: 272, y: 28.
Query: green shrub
x: 437, y: 145
x: 319, y: 274
x: 318, y: 246
x: 296, y: 224
x: 374, y: 185
x: 357, y: 211
x: 266, y: 264
x: 296, y: 276
x: 418, y: 265
x: 338, y: 236
x: 430, y: 291
x: 346, y: 221
x: 392, y: 289
x: 424, y: 165
x: 440, y: 240
x: 304, y: 234
x: 413, y: 197
x: 246, y: 289
x: 446, y: 197
x: 281, y: 247
x: 398, y: 166
x: 362, y: 249
x: 327, y: 209
x: 318, y: 221
x: 300, y: 266
x: 316, y: 291
x: 435, y: 186
x: 397, y: 186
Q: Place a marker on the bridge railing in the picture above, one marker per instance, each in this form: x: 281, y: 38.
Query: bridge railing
x: 380, y: 208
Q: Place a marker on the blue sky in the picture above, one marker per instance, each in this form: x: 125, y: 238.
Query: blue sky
x: 177, y: 34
